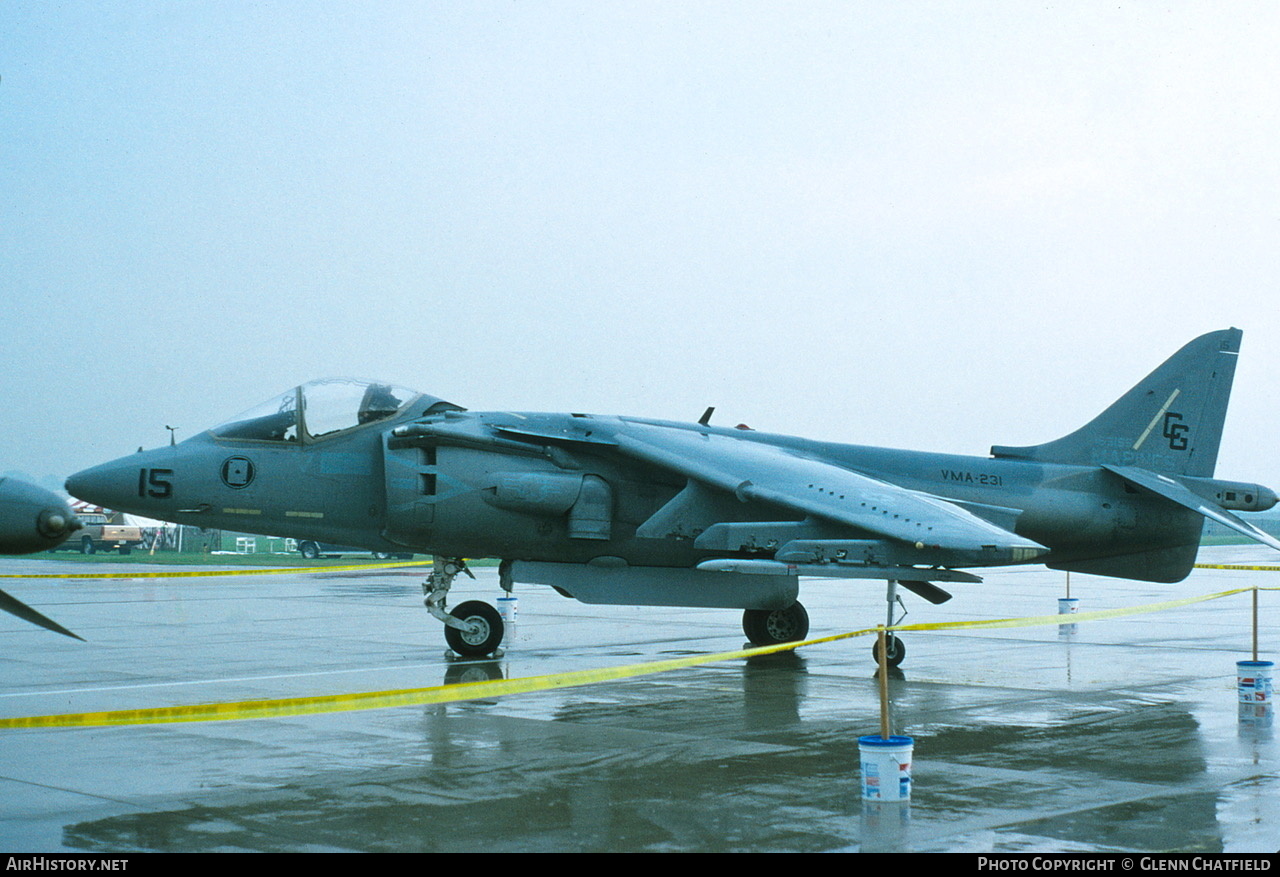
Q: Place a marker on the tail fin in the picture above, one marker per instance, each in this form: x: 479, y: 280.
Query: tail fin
x: 1171, y: 422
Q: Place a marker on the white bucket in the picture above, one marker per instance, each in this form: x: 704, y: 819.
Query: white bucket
x: 509, y: 609
x: 1253, y: 681
x: 886, y: 768
x: 1068, y: 606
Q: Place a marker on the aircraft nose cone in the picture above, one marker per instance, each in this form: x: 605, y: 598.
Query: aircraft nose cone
x: 75, y: 485
x: 32, y: 519
x: 109, y: 485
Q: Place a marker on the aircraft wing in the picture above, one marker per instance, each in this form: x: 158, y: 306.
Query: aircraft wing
x: 753, y: 470
x: 14, y: 606
x: 1171, y: 490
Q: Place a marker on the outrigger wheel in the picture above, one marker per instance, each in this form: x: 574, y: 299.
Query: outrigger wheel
x: 770, y: 627
x: 897, y: 651
x: 484, y: 629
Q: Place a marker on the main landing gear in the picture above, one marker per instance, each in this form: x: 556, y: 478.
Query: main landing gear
x: 474, y: 628
x: 771, y: 627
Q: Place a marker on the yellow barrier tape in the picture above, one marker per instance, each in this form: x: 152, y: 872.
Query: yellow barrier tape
x: 1236, y: 566
x: 206, y: 573
x: 297, y: 706
x: 1096, y: 615
x: 174, y: 574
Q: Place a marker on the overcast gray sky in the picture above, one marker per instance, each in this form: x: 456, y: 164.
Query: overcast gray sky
x: 925, y: 225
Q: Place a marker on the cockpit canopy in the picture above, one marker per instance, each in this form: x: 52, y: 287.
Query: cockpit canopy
x: 323, y: 408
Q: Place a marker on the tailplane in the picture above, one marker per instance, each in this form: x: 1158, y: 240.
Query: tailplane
x: 1171, y: 422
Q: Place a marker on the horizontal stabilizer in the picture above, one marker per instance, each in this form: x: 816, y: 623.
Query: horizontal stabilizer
x: 1173, y: 491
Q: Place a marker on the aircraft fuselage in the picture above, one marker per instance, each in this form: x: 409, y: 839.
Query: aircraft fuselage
x: 454, y: 485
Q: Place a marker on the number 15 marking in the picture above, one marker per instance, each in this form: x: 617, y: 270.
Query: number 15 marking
x: 155, y: 483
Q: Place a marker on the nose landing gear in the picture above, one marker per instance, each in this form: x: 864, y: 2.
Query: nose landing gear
x: 474, y: 628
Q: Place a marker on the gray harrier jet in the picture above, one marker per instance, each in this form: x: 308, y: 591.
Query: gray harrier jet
x: 626, y: 510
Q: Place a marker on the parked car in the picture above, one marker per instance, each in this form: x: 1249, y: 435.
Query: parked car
x: 312, y: 550
x: 101, y: 533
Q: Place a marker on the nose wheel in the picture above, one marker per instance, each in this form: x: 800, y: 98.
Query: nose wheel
x: 474, y: 628
x: 482, y: 633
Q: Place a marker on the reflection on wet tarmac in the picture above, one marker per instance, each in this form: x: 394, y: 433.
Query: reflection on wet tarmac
x: 640, y: 771
x: 722, y: 764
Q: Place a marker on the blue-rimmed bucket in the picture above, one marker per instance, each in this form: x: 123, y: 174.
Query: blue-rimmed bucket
x: 509, y: 611
x: 1254, y: 681
x: 886, y: 768
x: 1068, y: 606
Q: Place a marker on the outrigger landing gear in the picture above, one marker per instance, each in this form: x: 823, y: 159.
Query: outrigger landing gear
x: 474, y: 628
x: 770, y: 627
x: 895, y: 651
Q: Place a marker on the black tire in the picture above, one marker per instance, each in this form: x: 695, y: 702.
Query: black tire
x: 485, y: 640
x: 87, y: 546
x: 897, y: 651
x: 309, y: 550
x: 124, y: 549
x: 381, y: 555
x: 769, y: 627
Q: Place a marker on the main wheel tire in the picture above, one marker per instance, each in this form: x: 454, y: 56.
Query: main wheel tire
x: 488, y: 633
x: 309, y: 550
x: 897, y: 651
x: 769, y: 627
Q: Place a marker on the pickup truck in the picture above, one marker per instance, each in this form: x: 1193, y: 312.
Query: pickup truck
x: 312, y: 550
x: 99, y: 534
